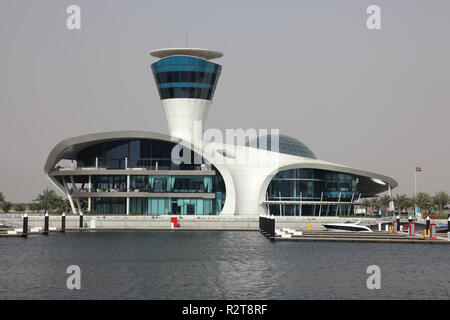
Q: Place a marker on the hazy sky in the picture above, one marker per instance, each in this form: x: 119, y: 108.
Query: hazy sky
x: 377, y: 100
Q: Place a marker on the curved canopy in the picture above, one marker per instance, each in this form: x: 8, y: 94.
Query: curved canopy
x: 195, y: 52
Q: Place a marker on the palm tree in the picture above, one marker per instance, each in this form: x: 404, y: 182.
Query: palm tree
x: 423, y: 201
x: 366, y: 203
x: 48, y: 199
x: 374, y: 204
x: 384, y: 201
x: 441, y: 199
x: 402, y: 202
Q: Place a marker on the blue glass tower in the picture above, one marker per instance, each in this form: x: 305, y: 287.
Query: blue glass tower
x: 186, y: 77
x: 186, y: 81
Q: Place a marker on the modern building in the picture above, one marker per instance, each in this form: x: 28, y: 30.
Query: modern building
x: 137, y: 172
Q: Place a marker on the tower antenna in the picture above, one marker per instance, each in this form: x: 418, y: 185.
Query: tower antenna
x: 187, y: 36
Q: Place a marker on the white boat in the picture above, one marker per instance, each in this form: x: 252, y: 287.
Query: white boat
x: 347, y: 226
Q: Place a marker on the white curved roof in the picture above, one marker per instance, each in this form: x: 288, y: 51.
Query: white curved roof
x: 195, y: 52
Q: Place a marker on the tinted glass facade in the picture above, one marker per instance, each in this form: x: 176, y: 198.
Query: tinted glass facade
x: 109, y: 205
x: 158, y: 206
x: 312, y: 185
x: 186, y: 77
x: 189, y: 206
x: 184, y: 184
x: 140, y: 153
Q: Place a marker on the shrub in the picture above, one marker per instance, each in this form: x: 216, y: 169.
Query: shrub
x: 6, y: 206
x: 19, y: 207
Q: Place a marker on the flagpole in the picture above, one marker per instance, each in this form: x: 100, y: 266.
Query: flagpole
x: 415, y: 191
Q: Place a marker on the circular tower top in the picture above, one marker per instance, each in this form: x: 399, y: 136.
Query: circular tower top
x: 194, y: 52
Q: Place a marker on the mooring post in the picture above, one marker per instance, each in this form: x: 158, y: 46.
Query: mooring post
x: 46, y: 223
x: 81, y: 219
x: 272, y: 227
x: 63, y: 222
x: 25, y: 226
x: 448, y: 228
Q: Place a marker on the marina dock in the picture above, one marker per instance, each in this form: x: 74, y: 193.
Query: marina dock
x: 364, y: 237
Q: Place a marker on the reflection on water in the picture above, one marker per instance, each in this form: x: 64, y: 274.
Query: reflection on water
x: 216, y: 265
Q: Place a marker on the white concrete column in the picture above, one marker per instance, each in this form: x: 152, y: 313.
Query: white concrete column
x: 68, y: 195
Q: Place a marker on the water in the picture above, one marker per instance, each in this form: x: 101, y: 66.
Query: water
x: 216, y: 265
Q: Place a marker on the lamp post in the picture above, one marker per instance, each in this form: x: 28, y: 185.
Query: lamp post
x: 418, y: 169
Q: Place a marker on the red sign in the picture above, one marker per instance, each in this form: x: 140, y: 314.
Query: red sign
x: 174, y: 223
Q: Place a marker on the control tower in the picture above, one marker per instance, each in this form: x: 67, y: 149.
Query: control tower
x: 186, y: 81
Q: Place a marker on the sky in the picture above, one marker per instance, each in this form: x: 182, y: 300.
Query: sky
x: 378, y: 100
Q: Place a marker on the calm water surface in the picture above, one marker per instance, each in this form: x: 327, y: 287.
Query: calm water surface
x: 216, y: 265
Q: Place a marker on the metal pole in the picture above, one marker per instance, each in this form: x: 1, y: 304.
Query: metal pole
x: 415, y: 191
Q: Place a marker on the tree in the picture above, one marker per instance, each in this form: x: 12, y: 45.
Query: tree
x: 374, y: 203
x: 366, y: 204
x: 48, y: 199
x: 62, y: 205
x: 2, y: 197
x: 423, y: 201
x: 402, y: 201
x: 19, y: 207
x: 384, y: 201
x: 440, y: 199
x: 35, y: 207
x: 6, y: 206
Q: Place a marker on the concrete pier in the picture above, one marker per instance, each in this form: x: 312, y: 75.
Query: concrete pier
x: 364, y: 237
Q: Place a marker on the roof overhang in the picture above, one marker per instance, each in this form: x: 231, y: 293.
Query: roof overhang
x: 194, y: 52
